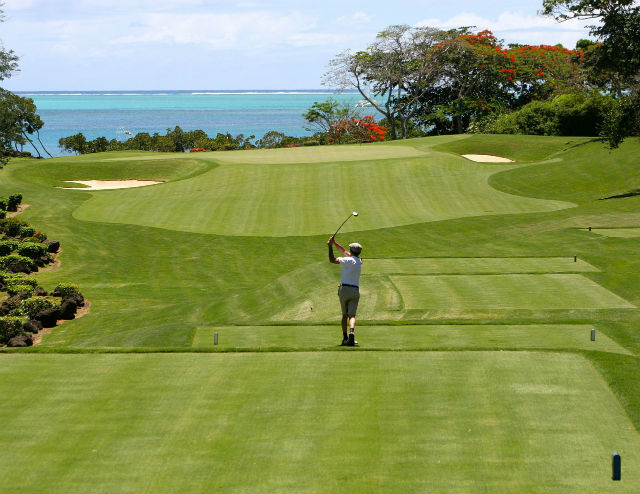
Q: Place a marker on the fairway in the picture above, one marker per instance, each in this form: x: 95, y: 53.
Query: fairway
x: 513, y: 291
x: 416, y: 422
x: 288, y: 199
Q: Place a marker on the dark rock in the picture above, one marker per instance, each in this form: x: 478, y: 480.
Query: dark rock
x: 48, y: 317
x: 68, y: 308
x: 77, y: 298
x: 53, y: 246
x: 40, y: 292
x: 22, y: 340
x: 18, y: 266
x: 32, y: 326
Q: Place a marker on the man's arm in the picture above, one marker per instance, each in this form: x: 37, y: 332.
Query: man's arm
x: 332, y: 258
x: 344, y: 251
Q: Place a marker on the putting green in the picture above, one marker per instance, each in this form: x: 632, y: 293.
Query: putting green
x: 294, y: 199
x: 406, y: 337
x: 477, y: 265
x: 512, y: 291
x: 311, y: 422
x: 617, y: 232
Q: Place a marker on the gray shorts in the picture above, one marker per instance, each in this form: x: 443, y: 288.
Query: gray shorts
x: 349, y: 298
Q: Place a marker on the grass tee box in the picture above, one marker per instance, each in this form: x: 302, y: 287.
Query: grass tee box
x: 508, y: 291
x: 408, y: 337
x: 451, y: 422
x: 477, y: 265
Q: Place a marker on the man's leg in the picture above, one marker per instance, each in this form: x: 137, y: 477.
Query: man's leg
x: 345, y: 336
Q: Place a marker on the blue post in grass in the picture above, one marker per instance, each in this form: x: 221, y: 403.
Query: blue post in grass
x: 215, y: 338
x: 593, y: 334
x: 617, y: 467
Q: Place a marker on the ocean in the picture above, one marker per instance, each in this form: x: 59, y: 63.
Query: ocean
x: 119, y: 114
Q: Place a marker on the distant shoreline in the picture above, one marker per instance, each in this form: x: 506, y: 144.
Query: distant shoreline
x: 160, y: 92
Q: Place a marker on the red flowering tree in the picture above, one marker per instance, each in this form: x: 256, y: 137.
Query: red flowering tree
x: 356, y: 130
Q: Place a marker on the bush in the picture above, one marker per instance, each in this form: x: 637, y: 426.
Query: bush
x: 14, y: 262
x: 32, y: 250
x: 13, y: 202
x: 9, y: 327
x: 17, y: 279
x: 18, y: 288
x: 65, y: 289
x: 31, y: 306
x: 26, y: 231
x: 7, y: 247
x: 11, y: 226
x: 566, y: 115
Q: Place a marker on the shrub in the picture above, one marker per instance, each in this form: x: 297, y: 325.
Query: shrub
x: 32, y: 250
x: 31, y: 306
x: 65, y: 289
x: 14, y: 262
x: 26, y: 231
x: 18, y: 288
x: 3, y: 214
x: 17, y: 279
x: 7, y: 247
x: 9, y: 327
x: 11, y: 226
x: 3, y: 204
x: 13, y: 202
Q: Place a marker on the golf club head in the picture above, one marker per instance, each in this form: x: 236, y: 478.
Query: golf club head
x: 355, y: 213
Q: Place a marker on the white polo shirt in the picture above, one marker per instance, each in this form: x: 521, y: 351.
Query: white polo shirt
x: 351, y: 267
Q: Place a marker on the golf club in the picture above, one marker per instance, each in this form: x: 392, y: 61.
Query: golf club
x: 352, y: 214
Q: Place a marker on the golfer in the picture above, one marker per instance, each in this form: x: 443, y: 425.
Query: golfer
x: 349, y: 291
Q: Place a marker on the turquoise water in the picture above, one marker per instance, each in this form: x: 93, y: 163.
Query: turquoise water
x: 113, y: 114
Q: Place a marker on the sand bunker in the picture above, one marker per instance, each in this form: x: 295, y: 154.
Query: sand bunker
x: 109, y: 184
x: 486, y: 158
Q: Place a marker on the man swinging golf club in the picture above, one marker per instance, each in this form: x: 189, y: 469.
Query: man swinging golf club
x: 349, y: 290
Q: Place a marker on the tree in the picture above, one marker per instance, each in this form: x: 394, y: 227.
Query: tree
x: 18, y: 121
x: 356, y: 130
x: 616, y: 56
x: 399, y: 67
x: 8, y: 59
x: 321, y: 116
x: 76, y: 143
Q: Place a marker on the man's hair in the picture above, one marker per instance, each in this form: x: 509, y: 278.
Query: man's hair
x: 355, y: 248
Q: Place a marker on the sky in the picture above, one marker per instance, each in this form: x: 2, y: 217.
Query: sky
x: 74, y: 45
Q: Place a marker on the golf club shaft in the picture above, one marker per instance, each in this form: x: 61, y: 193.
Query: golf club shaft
x: 342, y: 224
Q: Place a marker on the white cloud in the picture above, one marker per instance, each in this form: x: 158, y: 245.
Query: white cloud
x: 219, y: 31
x: 356, y: 18
x: 516, y: 27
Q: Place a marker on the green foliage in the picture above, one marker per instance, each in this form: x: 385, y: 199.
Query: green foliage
x: 566, y: 115
x: 12, y: 259
x: 9, y: 327
x: 11, y: 226
x: 32, y: 250
x: 13, y: 202
x: 18, y: 120
x: 65, y: 289
x: 14, y: 289
x: 7, y: 247
x: 31, y: 306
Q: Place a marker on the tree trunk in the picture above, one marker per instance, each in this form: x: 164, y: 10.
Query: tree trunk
x: 32, y: 144
x: 45, y: 149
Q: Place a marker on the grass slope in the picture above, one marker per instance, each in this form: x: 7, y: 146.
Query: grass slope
x: 236, y: 243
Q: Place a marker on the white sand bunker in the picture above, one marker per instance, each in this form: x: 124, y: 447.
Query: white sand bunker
x: 486, y: 158
x: 109, y: 184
